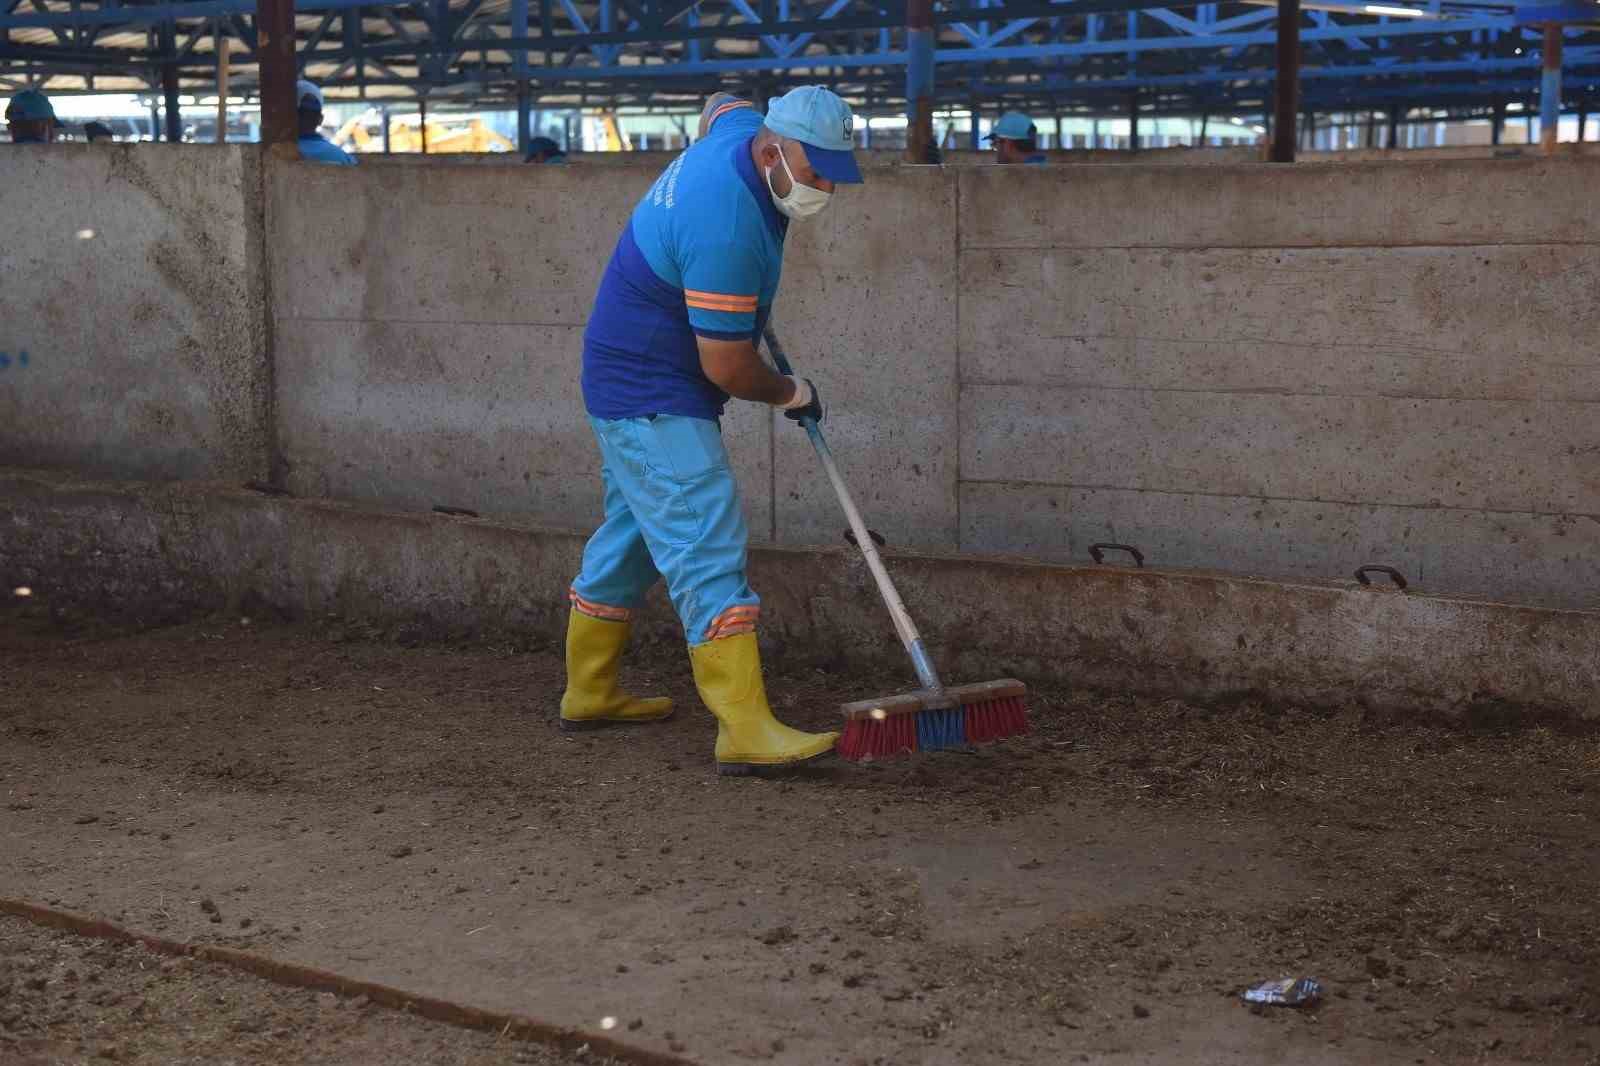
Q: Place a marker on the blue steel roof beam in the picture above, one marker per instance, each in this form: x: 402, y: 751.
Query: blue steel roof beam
x: 772, y: 42
x: 61, y: 35
x: 801, y: 40
x: 1175, y: 21
x: 318, y: 34
x: 183, y: 9
x: 246, y: 32
x: 83, y: 57
x: 973, y: 35
x: 459, y: 24
x: 400, y: 29
x: 1323, y: 20
x: 200, y: 31
x: 971, y: 56
x: 1588, y: 57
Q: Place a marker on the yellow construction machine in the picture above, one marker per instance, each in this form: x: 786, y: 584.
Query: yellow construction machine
x: 407, y: 133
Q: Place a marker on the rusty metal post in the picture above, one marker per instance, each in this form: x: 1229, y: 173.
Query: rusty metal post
x: 168, y: 37
x: 422, y: 122
x: 1286, y: 90
x: 223, y: 59
x: 280, y: 125
x: 169, y: 93
x: 919, y: 79
x: 1550, y: 89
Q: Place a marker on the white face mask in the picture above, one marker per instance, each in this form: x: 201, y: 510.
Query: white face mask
x: 803, y: 201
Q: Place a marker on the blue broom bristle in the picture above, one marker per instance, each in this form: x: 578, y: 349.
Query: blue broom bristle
x: 942, y: 729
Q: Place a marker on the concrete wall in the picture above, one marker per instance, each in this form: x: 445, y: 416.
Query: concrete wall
x: 878, y: 157
x: 163, y: 551
x: 132, y: 279
x: 428, y: 337
x: 1286, y: 371
x: 1291, y: 371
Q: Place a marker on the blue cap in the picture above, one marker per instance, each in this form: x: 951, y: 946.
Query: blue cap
x: 1013, y: 126
x: 823, y: 123
x: 30, y: 105
x: 545, y: 147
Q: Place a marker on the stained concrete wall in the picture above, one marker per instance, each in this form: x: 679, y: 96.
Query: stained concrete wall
x: 160, y: 551
x: 879, y: 157
x: 1286, y: 371
x: 132, y: 279
x: 1291, y: 371
x: 429, y: 326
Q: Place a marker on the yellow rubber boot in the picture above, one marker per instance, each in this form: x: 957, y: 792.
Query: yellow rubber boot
x: 728, y: 675
x: 592, y: 699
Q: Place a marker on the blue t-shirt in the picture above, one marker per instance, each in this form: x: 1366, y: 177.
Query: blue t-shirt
x: 700, y: 257
x: 318, y: 149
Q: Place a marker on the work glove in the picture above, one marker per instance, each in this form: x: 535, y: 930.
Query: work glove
x: 807, y: 402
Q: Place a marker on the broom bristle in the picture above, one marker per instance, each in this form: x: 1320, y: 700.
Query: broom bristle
x: 982, y: 722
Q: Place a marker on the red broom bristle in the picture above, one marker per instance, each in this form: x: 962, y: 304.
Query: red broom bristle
x: 877, y: 738
x: 896, y: 734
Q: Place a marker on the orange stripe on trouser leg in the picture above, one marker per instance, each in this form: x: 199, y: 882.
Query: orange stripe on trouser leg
x: 602, y: 611
x: 734, y: 621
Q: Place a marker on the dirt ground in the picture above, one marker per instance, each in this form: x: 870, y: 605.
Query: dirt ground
x: 1097, y: 892
x: 67, y: 999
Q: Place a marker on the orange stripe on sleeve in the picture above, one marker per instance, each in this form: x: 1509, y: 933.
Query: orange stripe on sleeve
x: 719, y: 301
x: 724, y: 109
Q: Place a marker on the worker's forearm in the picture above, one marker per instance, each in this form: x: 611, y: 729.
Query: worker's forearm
x: 750, y: 379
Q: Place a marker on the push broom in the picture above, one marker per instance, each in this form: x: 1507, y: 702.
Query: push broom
x: 933, y: 717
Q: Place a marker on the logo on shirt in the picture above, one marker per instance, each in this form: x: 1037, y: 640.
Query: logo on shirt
x: 665, y: 192
x: 849, y: 129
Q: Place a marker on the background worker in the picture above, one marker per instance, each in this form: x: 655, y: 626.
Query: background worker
x: 673, y: 334
x: 1016, y: 139
x: 544, y: 150
x: 314, y: 147
x: 30, y: 118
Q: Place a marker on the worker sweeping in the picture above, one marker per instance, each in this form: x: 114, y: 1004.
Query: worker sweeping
x: 672, y: 336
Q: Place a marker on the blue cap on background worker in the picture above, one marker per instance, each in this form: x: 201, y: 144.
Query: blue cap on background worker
x: 30, y: 118
x: 314, y: 147
x: 1016, y: 139
x: 544, y: 150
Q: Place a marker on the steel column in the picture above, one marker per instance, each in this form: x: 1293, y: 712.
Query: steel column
x: 223, y: 59
x: 275, y: 47
x: 1286, y: 89
x: 169, y: 82
x: 919, y: 80
x: 1550, y: 89
x: 519, y: 28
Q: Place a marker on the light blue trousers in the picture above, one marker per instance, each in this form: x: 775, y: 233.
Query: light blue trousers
x: 672, y: 511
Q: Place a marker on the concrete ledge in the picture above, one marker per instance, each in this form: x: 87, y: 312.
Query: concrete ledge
x: 175, y: 548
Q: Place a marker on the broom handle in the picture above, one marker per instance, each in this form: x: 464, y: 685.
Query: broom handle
x: 903, y: 625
